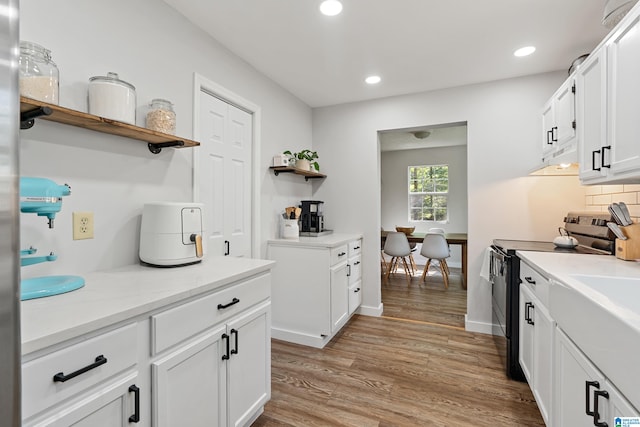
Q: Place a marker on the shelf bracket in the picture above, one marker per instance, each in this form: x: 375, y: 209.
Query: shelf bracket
x: 156, y: 148
x: 27, y: 118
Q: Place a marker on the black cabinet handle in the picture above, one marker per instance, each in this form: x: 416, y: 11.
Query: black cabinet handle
x: 608, y: 147
x: 60, y: 377
x: 554, y: 134
x: 593, y: 160
x: 527, y: 315
x: 227, y: 248
x: 596, y: 415
x: 235, y: 332
x: 530, y: 280
x: 226, y: 355
x: 342, y: 254
x: 356, y: 290
x: 356, y: 248
x: 356, y: 263
x: 233, y: 302
x: 136, y: 411
x: 549, y: 138
x: 587, y: 386
x: 348, y: 270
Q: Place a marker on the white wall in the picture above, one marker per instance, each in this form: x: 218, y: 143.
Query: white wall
x: 394, y: 198
x: 153, y: 47
x: 503, y: 120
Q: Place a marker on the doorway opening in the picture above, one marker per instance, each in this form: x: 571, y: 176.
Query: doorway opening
x: 432, y: 203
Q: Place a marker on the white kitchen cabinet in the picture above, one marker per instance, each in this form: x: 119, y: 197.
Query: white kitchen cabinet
x: 202, y: 358
x: 578, y: 384
x: 536, y: 329
x: 591, y: 113
x: 608, y: 98
x: 83, y: 380
x: 227, y: 367
x: 312, y: 295
x: 559, y: 123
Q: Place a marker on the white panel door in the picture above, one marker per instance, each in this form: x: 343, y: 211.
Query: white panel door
x: 225, y: 134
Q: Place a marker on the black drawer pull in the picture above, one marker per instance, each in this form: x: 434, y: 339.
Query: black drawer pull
x: 356, y: 290
x: 356, y: 248
x: 342, y: 254
x: 233, y: 302
x: 60, y: 377
x: 356, y: 263
x: 530, y: 280
x: 136, y: 410
x: 348, y: 270
x: 235, y: 332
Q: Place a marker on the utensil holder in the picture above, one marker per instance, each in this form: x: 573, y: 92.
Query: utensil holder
x: 629, y: 249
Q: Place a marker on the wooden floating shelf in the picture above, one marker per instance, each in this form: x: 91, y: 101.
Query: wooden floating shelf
x: 289, y: 169
x: 56, y: 113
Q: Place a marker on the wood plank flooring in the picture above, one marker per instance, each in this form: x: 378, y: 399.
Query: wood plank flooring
x: 391, y: 372
x: 426, y: 301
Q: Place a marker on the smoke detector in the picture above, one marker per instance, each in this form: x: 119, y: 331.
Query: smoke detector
x: 615, y: 10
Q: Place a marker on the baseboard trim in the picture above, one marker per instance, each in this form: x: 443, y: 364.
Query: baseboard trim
x: 481, y: 327
x: 371, y: 311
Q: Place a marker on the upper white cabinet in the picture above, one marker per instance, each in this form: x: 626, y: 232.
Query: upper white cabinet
x: 608, y: 99
x: 558, y: 122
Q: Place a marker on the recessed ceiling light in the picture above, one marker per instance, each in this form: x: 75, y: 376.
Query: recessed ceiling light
x: 330, y: 7
x: 525, y: 51
x: 372, y: 80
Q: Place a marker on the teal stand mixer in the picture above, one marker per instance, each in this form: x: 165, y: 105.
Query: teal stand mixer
x: 43, y: 197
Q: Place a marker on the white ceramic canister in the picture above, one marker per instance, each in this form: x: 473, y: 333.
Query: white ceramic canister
x: 112, y: 98
x: 290, y: 229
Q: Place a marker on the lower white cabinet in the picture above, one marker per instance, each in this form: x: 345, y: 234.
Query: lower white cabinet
x: 221, y: 378
x: 203, y: 361
x: 536, y: 329
x: 316, y: 287
x: 584, y: 394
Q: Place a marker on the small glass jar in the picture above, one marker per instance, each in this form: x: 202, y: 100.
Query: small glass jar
x: 161, y: 116
x: 112, y: 98
x: 39, y: 75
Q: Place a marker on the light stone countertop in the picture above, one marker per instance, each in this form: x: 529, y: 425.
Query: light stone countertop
x: 563, y: 267
x: 116, y: 295
x: 327, y: 241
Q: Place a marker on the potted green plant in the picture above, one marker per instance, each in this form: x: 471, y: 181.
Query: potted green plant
x: 304, y: 159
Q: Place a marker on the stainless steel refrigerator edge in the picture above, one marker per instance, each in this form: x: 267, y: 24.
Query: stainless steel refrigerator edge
x: 9, y: 217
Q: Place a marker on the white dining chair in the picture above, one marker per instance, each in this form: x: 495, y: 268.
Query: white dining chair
x: 435, y: 247
x: 397, y: 247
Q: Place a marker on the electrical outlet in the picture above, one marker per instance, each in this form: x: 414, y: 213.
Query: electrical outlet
x: 82, y: 225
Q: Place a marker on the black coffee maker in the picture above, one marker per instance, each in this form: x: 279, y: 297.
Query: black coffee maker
x: 311, y: 219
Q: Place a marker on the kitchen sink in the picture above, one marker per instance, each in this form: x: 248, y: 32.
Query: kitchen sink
x: 601, y: 314
x: 624, y: 292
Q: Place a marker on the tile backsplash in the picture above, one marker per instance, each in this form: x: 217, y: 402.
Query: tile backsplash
x: 598, y: 197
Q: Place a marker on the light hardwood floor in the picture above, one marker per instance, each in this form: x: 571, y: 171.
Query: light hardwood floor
x: 391, y: 372
x: 426, y: 301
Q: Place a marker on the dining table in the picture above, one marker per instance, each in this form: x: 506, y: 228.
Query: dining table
x: 452, y: 239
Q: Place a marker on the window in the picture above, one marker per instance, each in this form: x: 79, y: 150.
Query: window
x: 428, y: 193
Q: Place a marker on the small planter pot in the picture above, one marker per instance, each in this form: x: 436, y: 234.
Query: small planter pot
x: 303, y: 164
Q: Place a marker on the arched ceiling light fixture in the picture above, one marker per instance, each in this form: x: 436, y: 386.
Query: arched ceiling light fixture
x: 421, y: 134
x: 330, y: 7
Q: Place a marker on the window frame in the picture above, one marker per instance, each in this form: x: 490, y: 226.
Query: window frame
x: 428, y: 193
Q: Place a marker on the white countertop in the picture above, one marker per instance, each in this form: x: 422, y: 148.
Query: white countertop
x: 112, y: 296
x: 562, y: 267
x: 327, y: 241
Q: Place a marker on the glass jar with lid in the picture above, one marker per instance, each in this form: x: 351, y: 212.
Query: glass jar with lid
x: 161, y: 116
x: 112, y: 98
x: 39, y: 75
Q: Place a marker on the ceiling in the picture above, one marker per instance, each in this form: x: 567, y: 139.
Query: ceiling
x: 445, y: 135
x: 414, y: 45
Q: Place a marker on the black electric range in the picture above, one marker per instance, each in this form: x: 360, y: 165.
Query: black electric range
x: 594, y: 238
